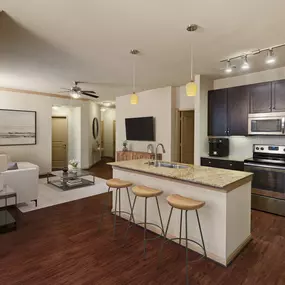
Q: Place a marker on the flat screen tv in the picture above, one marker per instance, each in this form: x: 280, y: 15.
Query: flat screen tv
x: 140, y: 129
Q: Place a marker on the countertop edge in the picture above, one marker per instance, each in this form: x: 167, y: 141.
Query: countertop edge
x: 226, y: 188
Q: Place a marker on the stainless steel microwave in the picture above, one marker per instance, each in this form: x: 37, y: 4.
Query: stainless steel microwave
x: 266, y: 124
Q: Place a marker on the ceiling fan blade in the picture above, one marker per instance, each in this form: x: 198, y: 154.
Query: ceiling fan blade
x: 90, y: 95
x: 65, y: 89
x: 91, y: 92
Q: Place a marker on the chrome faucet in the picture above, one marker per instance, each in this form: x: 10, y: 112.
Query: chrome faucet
x: 163, y: 150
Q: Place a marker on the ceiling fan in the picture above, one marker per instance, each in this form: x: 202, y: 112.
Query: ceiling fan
x: 76, y: 92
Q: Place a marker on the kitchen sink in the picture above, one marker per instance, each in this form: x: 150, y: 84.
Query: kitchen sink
x: 169, y: 165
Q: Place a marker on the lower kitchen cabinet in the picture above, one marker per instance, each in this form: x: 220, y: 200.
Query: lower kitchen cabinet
x: 222, y: 163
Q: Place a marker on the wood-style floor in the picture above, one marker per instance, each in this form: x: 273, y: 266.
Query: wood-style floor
x: 61, y: 245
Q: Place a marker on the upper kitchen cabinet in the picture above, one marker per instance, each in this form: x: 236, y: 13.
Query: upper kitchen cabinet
x: 217, y: 113
x: 238, y: 111
x: 260, y: 97
x: 278, y: 96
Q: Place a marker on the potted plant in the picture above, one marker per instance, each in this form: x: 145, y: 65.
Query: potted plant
x: 72, y: 165
x: 125, y: 143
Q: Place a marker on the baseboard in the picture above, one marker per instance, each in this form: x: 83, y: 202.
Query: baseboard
x: 235, y: 253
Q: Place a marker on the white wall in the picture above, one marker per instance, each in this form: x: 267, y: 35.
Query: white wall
x: 40, y: 153
x: 241, y: 147
x: 73, y: 115
x: 184, y: 102
x: 108, y: 117
x: 157, y: 103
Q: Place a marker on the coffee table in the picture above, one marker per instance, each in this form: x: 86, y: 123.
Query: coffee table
x: 70, y: 180
x: 7, y: 221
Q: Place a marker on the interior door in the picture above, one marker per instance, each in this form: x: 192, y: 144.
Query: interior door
x: 59, y: 142
x: 187, y: 137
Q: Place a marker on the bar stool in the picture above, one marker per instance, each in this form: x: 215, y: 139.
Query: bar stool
x: 146, y: 192
x: 117, y: 185
x: 184, y: 204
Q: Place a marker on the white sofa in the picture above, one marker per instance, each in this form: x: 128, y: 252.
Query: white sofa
x: 24, y: 181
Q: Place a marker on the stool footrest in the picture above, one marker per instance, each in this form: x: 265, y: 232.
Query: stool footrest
x: 160, y: 236
x: 188, y: 239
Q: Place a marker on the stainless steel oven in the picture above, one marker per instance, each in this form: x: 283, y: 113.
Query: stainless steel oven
x: 268, y: 185
x: 266, y: 124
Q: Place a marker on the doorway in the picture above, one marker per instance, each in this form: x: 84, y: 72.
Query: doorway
x: 187, y: 136
x: 59, y: 142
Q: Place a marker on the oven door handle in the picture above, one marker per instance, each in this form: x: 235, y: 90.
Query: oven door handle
x: 264, y: 165
x: 283, y: 125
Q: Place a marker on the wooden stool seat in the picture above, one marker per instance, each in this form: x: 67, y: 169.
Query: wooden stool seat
x: 184, y: 203
x: 146, y: 192
x: 118, y: 183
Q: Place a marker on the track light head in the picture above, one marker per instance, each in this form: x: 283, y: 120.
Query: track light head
x: 245, y: 64
x: 270, y: 58
x: 229, y: 67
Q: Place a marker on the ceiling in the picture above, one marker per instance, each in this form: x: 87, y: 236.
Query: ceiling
x: 47, y: 44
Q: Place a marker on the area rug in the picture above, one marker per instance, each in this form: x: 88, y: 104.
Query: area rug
x: 50, y: 195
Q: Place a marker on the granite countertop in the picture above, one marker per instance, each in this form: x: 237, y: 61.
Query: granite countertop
x: 215, y: 177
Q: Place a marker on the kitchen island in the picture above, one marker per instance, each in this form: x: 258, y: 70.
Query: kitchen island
x: 225, y: 218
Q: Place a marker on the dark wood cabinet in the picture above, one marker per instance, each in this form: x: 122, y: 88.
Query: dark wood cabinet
x: 217, y: 112
x: 238, y: 111
x: 278, y: 96
x: 222, y: 163
x: 260, y: 97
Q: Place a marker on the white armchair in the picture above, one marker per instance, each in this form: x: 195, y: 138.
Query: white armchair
x: 24, y: 181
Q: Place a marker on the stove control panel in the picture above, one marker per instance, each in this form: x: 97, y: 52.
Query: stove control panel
x: 279, y: 149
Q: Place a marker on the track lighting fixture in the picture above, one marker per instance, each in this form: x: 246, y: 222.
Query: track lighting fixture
x: 245, y: 64
x: 270, y: 58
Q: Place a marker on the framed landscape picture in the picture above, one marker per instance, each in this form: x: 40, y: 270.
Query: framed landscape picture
x: 18, y: 127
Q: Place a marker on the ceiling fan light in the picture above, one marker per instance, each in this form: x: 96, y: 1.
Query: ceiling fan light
x: 75, y: 95
x: 191, y: 89
x: 134, y: 99
x: 103, y: 109
x: 270, y: 58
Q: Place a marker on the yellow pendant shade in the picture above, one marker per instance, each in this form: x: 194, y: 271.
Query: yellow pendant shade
x: 134, y: 99
x: 191, y: 89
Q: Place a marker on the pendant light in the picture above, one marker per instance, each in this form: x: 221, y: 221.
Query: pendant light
x: 191, y: 87
x: 134, y: 96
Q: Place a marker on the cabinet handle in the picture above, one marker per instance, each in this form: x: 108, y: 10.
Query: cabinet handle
x: 231, y: 164
x: 226, y: 132
x: 209, y: 162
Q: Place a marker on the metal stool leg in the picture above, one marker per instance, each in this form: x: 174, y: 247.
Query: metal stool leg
x: 120, y: 202
x: 115, y: 215
x: 144, y: 233
x: 159, y: 213
x: 132, y: 214
x: 205, y: 254
x: 180, y: 232
x: 186, y: 247
x: 164, y: 239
